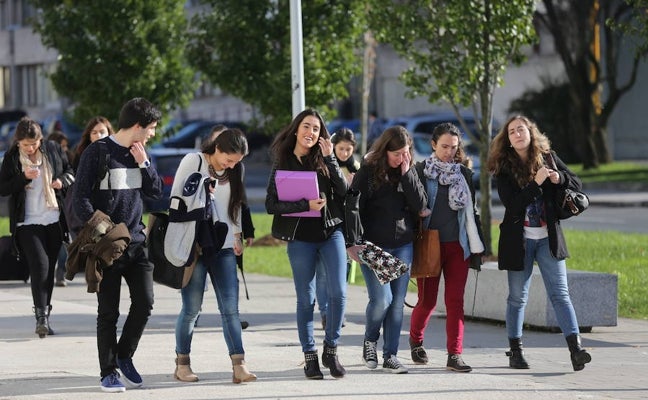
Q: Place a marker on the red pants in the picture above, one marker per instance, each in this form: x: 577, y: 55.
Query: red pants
x: 455, y: 272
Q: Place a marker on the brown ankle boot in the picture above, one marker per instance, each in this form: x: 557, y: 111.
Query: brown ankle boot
x: 183, y: 370
x: 240, y: 372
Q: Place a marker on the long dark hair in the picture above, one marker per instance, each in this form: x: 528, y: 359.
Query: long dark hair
x: 231, y: 141
x: 284, y: 144
x: 392, y: 139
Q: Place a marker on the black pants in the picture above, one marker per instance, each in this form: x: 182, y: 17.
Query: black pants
x: 134, y: 267
x: 39, y: 246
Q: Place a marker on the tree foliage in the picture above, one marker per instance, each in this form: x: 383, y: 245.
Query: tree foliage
x: 243, y: 47
x: 576, y: 26
x: 110, y: 52
x: 458, y: 51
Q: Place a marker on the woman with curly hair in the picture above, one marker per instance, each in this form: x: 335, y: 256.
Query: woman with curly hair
x: 530, y: 231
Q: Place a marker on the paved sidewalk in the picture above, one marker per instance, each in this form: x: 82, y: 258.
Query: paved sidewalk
x: 65, y: 366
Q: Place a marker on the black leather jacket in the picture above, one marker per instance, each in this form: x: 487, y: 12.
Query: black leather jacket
x: 334, y: 186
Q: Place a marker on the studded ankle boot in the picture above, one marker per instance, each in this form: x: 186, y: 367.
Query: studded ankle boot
x: 311, y: 366
x: 330, y: 361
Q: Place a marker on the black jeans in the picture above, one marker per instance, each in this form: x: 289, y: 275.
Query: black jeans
x: 39, y: 246
x: 138, y: 274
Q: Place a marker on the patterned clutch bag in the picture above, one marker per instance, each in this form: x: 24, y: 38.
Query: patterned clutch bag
x: 386, y: 266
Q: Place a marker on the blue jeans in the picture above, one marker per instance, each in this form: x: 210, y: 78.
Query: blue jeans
x: 554, y: 275
x: 303, y: 258
x: 320, y: 288
x: 222, y: 272
x: 385, y: 307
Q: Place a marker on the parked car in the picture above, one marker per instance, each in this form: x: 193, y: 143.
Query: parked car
x: 192, y: 134
x: 166, y: 162
x: 7, y: 131
x: 62, y: 123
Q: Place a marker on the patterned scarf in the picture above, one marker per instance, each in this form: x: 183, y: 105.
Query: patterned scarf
x: 50, y: 195
x: 449, y: 174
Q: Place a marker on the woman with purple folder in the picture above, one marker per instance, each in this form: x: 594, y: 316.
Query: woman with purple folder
x: 312, y: 226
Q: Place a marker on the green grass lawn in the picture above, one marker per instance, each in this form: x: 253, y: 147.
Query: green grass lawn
x: 623, y: 254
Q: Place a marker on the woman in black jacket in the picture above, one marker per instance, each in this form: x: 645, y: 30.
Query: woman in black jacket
x: 34, y: 173
x: 391, y: 197
x: 305, y: 145
x: 530, y: 231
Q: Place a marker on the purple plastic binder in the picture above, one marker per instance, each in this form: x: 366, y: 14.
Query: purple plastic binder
x: 297, y: 185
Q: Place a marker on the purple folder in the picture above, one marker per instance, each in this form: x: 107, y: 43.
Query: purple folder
x: 297, y: 185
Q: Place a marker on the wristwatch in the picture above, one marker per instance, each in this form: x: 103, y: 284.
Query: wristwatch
x: 145, y: 164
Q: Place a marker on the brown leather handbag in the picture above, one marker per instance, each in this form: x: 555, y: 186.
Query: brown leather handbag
x: 427, y: 253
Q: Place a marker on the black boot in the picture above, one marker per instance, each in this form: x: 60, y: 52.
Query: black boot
x: 42, y: 324
x: 50, y: 331
x: 579, y: 356
x: 311, y: 367
x: 330, y: 361
x: 516, y: 355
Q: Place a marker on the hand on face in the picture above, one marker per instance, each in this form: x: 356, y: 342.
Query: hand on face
x: 326, y: 146
x: 138, y: 152
x: 405, y: 165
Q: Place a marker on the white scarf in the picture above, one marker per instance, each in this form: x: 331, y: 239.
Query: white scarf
x: 50, y: 195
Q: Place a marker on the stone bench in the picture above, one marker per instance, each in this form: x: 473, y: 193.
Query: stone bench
x: 593, y: 294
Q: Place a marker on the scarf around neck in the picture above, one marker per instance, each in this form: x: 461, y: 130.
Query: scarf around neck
x: 449, y: 174
x: 46, y: 176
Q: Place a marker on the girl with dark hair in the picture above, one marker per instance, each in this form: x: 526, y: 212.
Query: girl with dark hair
x: 34, y: 172
x: 451, y: 210
x: 391, y: 197
x: 305, y: 145
x: 344, y: 146
x: 530, y: 231
x: 220, y: 161
x: 96, y: 128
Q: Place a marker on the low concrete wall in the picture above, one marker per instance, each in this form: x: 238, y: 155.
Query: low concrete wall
x: 594, y: 296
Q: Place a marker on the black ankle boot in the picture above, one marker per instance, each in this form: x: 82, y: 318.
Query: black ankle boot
x: 330, y: 361
x: 311, y: 367
x: 50, y: 331
x: 516, y: 355
x: 579, y: 356
x: 42, y: 324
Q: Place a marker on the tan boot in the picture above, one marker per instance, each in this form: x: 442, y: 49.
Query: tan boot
x: 183, y: 370
x: 240, y: 372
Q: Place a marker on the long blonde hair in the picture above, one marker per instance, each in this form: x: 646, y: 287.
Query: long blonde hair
x: 504, y: 159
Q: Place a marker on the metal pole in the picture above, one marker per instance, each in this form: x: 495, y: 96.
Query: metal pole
x: 297, y: 58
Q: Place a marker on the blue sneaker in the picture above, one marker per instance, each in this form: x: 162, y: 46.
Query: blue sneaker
x: 112, y: 384
x: 130, y: 375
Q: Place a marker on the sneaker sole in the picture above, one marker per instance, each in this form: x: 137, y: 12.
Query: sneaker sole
x: 395, y: 371
x: 113, y: 389
x: 129, y: 383
x: 370, y: 364
x: 458, y: 370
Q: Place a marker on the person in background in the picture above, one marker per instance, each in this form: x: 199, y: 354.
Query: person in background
x: 96, y: 128
x: 34, y: 173
x: 344, y: 145
x: 305, y: 145
x: 220, y: 160
x: 130, y: 176
x: 391, y: 198
x: 450, y: 210
x: 62, y: 139
x: 531, y: 232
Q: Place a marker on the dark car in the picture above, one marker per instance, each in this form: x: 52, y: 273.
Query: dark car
x: 192, y: 134
x: 166, y: 162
